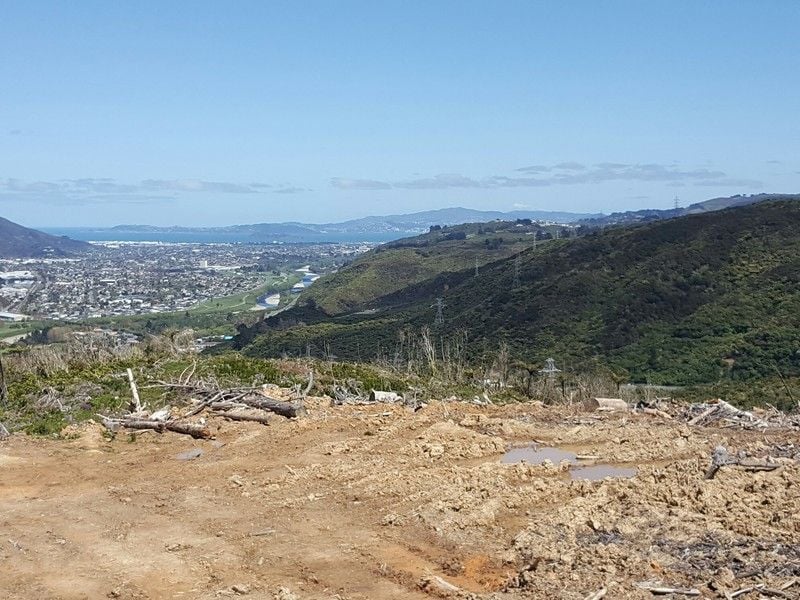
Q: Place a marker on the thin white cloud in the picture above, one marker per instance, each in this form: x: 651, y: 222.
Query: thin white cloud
x: 197, y: 185
x: 500, y: 181
x: 437, y: 182
x: 571, y: 166
x: 344, y: 183
x: 565, y: 173
x: 98, y: 190
x: 534, y: 169
x: 290, y: 190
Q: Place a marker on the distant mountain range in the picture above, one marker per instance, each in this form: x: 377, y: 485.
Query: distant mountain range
x: 651, y: 214
x: 421, y: 221
x: 17, y: 241
x: 390, y: 227
x: 375, y: 228
x: 399, y: 224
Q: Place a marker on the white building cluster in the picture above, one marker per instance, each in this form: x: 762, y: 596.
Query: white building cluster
x: 140, y: 278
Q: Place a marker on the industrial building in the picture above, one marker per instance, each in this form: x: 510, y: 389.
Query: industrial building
x: 8, y: 317
x: 9, y: 277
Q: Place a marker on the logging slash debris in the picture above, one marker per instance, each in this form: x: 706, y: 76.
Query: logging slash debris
x: 236, y: 404
x: 366, y: 496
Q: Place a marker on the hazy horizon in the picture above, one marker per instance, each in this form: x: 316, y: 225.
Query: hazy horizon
x: 356, y: 218
x: 376, y: 215
x: 203, y: 115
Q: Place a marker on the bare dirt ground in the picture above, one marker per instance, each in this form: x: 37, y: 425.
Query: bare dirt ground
x: 371, y: 502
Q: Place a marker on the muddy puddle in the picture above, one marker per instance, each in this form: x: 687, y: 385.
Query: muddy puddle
x: 580, y: 466
x: 536, y: 455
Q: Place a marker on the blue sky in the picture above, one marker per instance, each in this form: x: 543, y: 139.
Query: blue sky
x: 205, y: 113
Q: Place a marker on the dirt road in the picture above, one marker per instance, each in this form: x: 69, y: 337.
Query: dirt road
x: 379, y: 502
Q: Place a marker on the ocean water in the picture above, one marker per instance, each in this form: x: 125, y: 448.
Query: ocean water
x: 200, y: 237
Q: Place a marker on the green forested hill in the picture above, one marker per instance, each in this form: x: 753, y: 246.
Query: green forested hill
x: 697, y: 299
x: 395, y: 266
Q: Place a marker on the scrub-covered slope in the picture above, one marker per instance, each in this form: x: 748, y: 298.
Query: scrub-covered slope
x: 696, y: 299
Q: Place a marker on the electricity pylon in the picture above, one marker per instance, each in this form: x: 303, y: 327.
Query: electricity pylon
x: 549, y: 368
x: 439, y: 306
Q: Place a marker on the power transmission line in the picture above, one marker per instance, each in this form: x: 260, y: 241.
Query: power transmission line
x: 550, y: 368
x: 3, y: 397
x: 439, y: 306
x: 3, y: 386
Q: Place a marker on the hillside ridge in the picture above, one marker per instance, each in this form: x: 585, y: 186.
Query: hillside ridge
x: 696, y: 299
x: 17, y: 241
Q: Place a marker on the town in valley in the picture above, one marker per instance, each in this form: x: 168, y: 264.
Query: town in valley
x: 133, y: 278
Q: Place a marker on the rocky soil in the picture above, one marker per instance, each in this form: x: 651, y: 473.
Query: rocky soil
x: 364, y: 502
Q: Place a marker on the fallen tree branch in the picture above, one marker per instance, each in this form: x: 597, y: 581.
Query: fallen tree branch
x: 285, y: 409
x: 136, y: 404
x: 761, y: 588
x: 114, y: 425
x: 226, y: 405
x: 719, y: 410
x: 759, y: 466
x: 310, y: 383
x: 203, y: 405
x: 773, y: 592
x: 658, y: 590
x: 721, y: 458
x: 253, y: 397
x: 195, y: 430
x: 261, y: 533
x: 236, y: 416
x: 739, y: 592
x: 702, y: 415
x: 190, y: 375
x: 657, y: 413
x: 344, y: 395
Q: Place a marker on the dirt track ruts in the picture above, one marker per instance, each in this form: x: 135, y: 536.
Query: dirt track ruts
x: 366, y: 502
